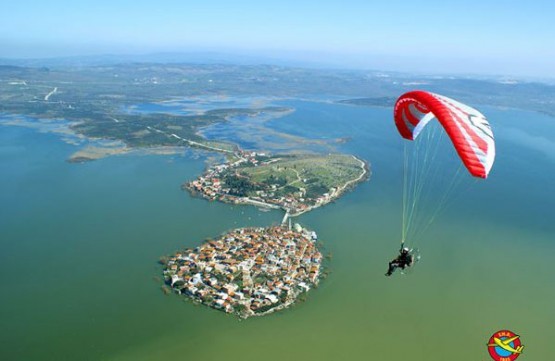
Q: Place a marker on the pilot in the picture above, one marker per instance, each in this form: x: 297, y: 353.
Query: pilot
x: 403, y: 260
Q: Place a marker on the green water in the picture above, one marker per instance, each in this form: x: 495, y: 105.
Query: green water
x: 80, y: 244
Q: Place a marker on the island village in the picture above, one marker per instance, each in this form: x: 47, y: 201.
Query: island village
x: 248, y: 271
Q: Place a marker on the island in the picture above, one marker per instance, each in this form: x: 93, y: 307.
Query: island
x: 248, y: 271
x: 296, y: 183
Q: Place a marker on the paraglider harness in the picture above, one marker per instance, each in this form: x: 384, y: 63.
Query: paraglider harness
x: 403, y: 260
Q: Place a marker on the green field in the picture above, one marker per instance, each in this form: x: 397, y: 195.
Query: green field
x: 316, y: 174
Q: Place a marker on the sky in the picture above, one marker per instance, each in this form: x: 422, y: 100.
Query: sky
x: 474, y: 37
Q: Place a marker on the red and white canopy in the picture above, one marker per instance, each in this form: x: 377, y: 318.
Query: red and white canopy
x: 468, y: 128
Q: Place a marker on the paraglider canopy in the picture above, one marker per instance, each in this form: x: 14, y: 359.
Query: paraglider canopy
x: 432, y: 172
x: 467, y: 128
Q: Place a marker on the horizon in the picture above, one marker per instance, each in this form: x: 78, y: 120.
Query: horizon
x: 429, y: 37
x: 249, y: 59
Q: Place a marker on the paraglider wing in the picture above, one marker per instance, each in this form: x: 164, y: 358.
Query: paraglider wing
x: 468, y: 128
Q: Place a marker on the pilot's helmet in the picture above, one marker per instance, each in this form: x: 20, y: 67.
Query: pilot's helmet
x: 406, y: 249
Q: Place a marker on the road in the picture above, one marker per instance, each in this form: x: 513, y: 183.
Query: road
x: 47, y: 96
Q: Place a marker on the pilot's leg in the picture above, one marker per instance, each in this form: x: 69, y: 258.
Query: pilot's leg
x: 391, y: 269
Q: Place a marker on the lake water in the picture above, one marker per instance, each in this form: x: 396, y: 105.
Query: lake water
x: 80, y: 244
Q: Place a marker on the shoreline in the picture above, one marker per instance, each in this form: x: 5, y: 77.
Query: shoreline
x: 365, y: 166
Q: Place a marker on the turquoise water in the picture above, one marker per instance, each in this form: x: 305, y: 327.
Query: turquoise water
x: 80, y: 244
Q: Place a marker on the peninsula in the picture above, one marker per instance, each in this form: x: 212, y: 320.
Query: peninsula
x: 294, y: 183
x: 248, y: 271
